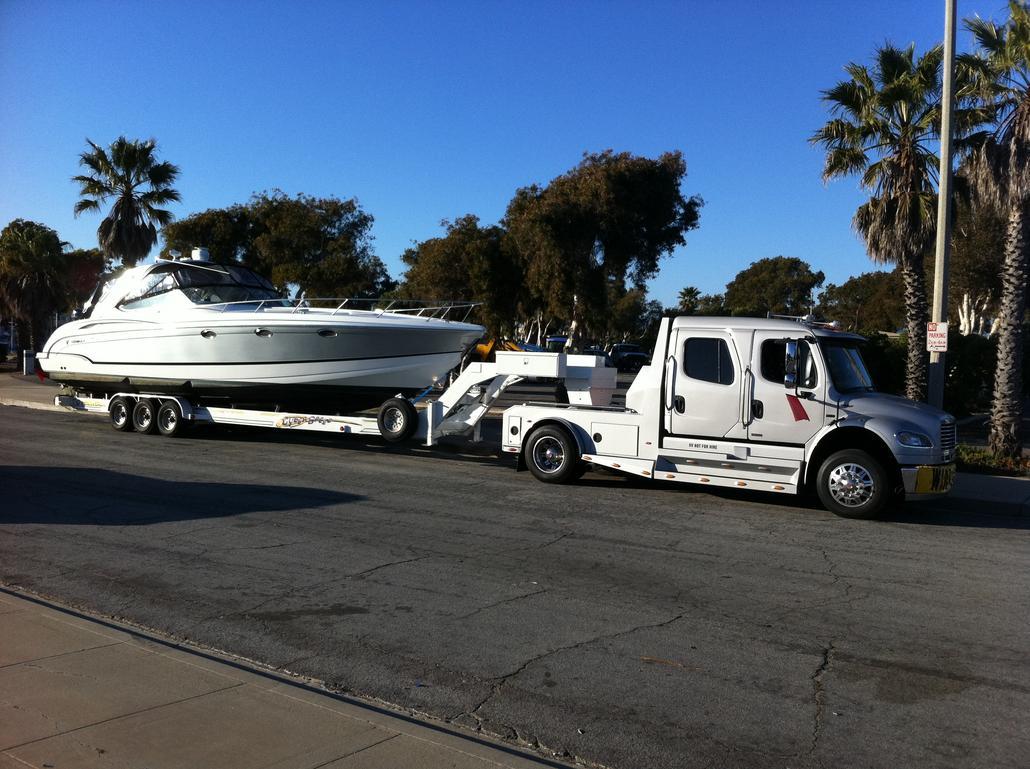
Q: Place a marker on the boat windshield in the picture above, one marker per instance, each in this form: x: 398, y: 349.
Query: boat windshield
x: 847, y: 367
x: 216, y: 284
x: 201, y: 284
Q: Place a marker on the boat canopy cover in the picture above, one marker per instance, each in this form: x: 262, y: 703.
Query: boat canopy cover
x: 200, y: 283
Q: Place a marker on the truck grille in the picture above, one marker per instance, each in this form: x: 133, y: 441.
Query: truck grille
x: 948, y: 439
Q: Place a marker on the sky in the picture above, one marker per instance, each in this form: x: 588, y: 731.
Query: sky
x: 426, y: 111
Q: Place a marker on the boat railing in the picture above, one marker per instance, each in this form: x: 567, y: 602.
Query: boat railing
x: 419, y: 308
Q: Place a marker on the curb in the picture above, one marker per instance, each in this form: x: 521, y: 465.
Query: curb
x: 30, y: 404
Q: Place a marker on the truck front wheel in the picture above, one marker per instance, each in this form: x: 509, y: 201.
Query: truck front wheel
x: 853, y: 484
x: 552, y: 455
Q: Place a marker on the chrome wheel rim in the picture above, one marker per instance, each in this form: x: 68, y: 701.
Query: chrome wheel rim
x: 851, y: 485
x: 393, y: 420
x: 119, y: 414
x: 548, y: 454
x: 146, y: 416
x: 167, y: 420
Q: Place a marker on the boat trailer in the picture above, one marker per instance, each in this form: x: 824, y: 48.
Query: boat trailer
x: 458, y: 410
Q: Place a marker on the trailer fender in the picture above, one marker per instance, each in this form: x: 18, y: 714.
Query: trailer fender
x: 575, y: 431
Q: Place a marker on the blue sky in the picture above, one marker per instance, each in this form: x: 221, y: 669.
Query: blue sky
x: 430, y: 110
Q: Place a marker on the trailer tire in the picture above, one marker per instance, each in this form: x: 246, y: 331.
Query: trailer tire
x: 552, y: 455
x: 397, y: 420
x: 120, y: 411
x: 169, y: 419
x: 144, y: 418
x: 853, y: 484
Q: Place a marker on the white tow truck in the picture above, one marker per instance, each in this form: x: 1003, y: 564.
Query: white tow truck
x: 771, y: 405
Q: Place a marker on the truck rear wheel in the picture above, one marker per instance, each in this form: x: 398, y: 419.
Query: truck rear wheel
x: 853, y: 484
x: 397, y: 420
x: 552, y: 455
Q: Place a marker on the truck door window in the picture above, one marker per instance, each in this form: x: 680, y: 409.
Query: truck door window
x: 708, y: 360
x: 772, y: 363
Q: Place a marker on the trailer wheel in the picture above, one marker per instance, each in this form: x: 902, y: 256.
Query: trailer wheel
x: 143, y: 417
x: 120, y: 411
x: 552, y: 455
x: 169, y: 419
x: 853, y: 484
x: 397, y: 420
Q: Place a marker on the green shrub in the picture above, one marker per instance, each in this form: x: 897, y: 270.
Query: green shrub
x: 977, y: 459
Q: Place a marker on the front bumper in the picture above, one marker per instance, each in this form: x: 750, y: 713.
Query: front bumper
x: 928, y: 479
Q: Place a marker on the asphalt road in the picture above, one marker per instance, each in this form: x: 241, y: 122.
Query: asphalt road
x: 622, y: 624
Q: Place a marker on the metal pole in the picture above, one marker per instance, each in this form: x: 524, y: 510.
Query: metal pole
x: 940, y: 273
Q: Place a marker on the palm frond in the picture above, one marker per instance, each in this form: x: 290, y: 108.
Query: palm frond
x: 86, y: 205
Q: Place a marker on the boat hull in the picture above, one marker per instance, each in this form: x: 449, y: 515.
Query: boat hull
x: 294, y: 360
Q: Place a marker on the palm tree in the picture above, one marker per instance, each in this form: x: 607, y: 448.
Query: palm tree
x: 689, y: 298
x: 128, y: 172
x: 886, y: 121
x: 33, y: 276
x: 999, y: 172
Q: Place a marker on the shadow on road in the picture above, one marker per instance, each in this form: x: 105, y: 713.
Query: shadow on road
x: 85, y: 496
x: 925, y: 514
x: 448, y: 448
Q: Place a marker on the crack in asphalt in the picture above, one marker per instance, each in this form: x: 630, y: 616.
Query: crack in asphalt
x: 819, y: 693
x: 388, y: 565
x: 285, y: 595
x: 502, y: 602
x: 499, y: 682
x: 534, y: 548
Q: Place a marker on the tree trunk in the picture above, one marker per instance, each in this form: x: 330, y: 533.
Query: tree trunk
x: 24, y: 335
x: 916, y: 315
x: 1005, y: 438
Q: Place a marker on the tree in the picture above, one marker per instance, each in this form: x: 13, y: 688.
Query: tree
x: 470, y: 262
x: 887, y: 120
x: 1000, y: 173
x: 689, y: 299
x: 84, y: 268
x: 33, y: 276
x: 712, y: 304
x: 224, y: 232
x: 975, y: 266
x: 129, y: 172
x: 606, y: 222
x: 868, y: 302
x: 321, y: 245
x: 781, y: 285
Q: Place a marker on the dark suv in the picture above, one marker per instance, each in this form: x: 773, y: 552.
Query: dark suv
x: 628, y: 357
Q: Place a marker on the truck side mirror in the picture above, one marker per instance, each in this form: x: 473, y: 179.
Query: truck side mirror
x: 790, y: 365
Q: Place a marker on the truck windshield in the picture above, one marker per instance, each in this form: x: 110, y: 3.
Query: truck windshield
x: 847, y: 368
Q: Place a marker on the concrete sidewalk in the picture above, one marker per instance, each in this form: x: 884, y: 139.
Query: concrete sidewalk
x: 80, y: 693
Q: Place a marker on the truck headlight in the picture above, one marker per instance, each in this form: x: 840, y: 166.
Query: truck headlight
x: 914, y: 440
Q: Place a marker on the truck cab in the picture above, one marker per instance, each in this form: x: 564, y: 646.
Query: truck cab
x: 768, y: 404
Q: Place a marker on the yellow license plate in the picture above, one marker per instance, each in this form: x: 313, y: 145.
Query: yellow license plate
x: 935, y: 480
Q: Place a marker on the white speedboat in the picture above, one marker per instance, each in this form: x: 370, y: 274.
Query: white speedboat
x: 223, y: 332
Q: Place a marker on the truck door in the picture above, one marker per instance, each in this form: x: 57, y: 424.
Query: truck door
x: 703, y: 385
x: 780, y: 414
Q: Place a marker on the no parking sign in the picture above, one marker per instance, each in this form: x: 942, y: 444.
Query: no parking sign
x: 936, y: 337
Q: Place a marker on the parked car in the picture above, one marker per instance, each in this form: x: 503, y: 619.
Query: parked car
x: 628, y: 358
x: 555, y: 343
